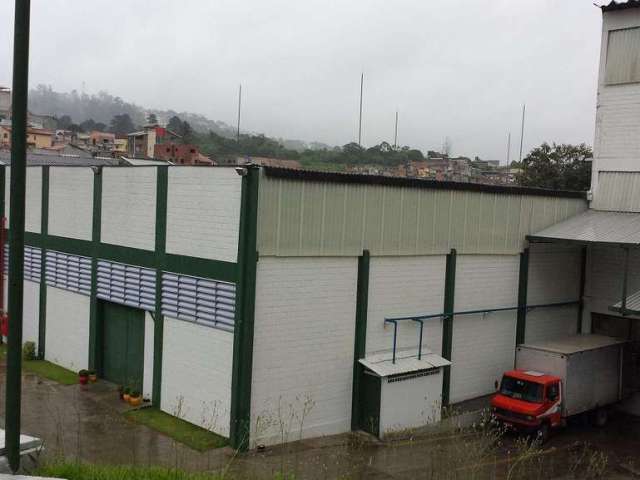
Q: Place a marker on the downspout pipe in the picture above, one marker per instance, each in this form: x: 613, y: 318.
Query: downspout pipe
x: 16, y: 228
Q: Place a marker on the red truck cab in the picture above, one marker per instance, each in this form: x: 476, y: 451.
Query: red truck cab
x: 529, y: 401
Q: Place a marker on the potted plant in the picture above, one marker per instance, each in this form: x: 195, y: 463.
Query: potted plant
x: 93, y: 376
x: 83, y: 376
x: 126, y: 394
x: 135, y: 399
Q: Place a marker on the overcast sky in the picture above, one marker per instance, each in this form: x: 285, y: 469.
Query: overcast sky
x: 456, y: 68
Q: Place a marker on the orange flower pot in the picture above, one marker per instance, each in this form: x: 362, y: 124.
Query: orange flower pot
x: 135, y: 401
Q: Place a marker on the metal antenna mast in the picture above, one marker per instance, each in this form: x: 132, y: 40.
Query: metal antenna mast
x: 239, y: 106
x: 395, y: 135
x: 360, y: 119
x: 524, y: 108
x: 509, y: 149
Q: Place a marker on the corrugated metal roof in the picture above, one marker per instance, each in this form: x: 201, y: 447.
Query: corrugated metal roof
x: 575, y: 344
x: 594, y: 226
x: 632, y: 305
x: 382, y: 363
x: 614, y: 5
x: 41, y: 159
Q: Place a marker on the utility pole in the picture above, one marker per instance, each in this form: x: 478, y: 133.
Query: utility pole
x: 395, y: 135
x: 16, y: 228
x: 509, y: 149
x: 239, y: 106
x: 360, y: 119
x: 524, y: 108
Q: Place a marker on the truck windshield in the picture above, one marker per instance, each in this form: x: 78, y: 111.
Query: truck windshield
x: 521, y: 389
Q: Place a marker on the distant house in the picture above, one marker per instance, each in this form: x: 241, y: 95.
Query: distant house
x: 121, y: 145
x: 5, y: 102
x: 102, y: 141
x: 180, y: 154
x: 36, y: 137
x: 142, y: 144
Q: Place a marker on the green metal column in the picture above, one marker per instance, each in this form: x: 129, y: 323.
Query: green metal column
x: 523, y: 280
x: 359, y: 349
x: 16, y: 228
x: 447, y: 323
x: 44, y: 230
x: 162, y: 186
x: 245, y: 311
x: 583, y: 278
x: 95, y: 332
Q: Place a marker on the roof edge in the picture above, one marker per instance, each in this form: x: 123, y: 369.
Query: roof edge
x: 614, y: 5
x: 364, y: 179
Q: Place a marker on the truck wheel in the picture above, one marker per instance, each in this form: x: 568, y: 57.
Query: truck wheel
x: 543, y: 433
x: 600, y: 417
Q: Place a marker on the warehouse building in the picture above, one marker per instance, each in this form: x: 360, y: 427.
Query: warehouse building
x: 248, y: 299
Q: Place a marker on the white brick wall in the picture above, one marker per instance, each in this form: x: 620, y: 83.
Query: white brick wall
x: 67, y: 334
x: 203, y: 212
x: 483, y: 344
x: 401, y: 286
x: 71, y: 202
x: 33, y: 198
x: 303, y: 346
x: 147, y: 377
x: 196, y: 374
x: 554, y: 276
x: 30, y: 310
x: 129, y: 206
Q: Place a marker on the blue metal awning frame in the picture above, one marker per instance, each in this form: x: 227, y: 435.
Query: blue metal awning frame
x: 421, y: 319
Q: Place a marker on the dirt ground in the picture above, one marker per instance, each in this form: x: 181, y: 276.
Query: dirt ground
x: 88, y: 425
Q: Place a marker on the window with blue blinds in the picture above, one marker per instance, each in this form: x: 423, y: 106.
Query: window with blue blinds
x: 127, y: 285
x: 32, y: 262
x: 69, y: 272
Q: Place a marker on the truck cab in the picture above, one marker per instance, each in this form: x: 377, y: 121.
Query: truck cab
x: 529, y: 400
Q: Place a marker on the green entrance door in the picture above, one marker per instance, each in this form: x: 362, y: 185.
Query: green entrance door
x: 123, y: 345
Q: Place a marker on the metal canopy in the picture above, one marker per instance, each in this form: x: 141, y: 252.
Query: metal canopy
x: 594, y: 226
x: 630, y: 306
x: 383, y: 365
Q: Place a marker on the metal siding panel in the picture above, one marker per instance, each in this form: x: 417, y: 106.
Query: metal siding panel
x: 426, y: 232
x: 410, y: 222
x: 290, y: 213
x: 623, y: 56
x: 392, y: 220
x: 373, y: 218
x: 311, y: 231
x: 354, y: 225
x: 334, y: 218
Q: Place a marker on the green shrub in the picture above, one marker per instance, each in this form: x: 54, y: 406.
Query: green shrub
x: 29, y: 351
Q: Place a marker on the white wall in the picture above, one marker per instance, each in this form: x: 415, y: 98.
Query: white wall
x: 30, y: 310
x: 303, y: 346
x: 129, y: 206
x: 400, y: 286
x: 617, y: 137
x: 203, y: 212
x: 71, y: 202
x: 33, y: 198
x: 554, y: 277
x: 67, y: 337
x: 483, y: 344
x: 147, y: 377
x: 196, y: 374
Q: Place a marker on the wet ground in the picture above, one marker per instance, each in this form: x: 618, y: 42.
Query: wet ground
x: 88, y: 425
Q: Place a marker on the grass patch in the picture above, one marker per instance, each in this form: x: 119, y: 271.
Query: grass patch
x: 84, y: 471
x: 181, y: 431
x: 48, y: 370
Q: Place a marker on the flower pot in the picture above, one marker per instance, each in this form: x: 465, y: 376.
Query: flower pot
x: 83, y: 379
x: 135, y: 401
x: 126, y: 397
x: 93, y: 378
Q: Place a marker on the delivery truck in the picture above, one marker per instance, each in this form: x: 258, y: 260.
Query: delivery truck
x: 557, y: 379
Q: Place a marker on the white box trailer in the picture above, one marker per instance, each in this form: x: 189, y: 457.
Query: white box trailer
x: 589, y: 366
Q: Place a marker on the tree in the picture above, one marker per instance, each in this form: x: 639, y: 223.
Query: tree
x: 64, y: 122
x: 175, y: 124
x: 152, y: 119
x: 559, y: 167
x: 122, y: 124
x: 88, y: 125
x: 187, y: 132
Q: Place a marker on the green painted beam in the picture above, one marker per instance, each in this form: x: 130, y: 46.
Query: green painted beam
x: 583, y: 279
x: 523, y: 280
x: 44, y: 230
x: 360, y: 343
x: 95, y: 330
x: 447, y: 323
x: 162, y: 182
x: 241, y: 377
x: 16, y: 238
